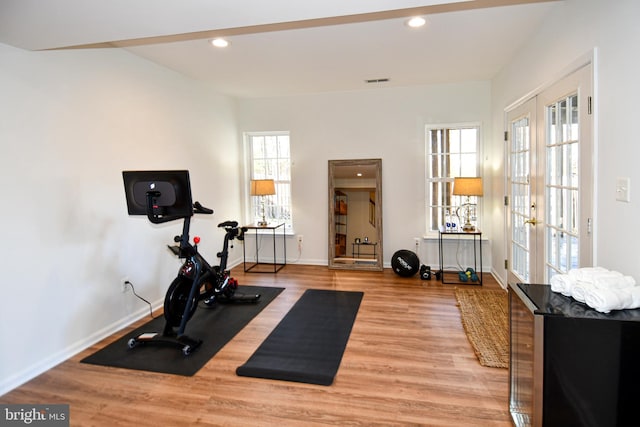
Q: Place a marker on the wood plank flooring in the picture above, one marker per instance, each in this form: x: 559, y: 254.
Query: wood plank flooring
x: 408, y: 362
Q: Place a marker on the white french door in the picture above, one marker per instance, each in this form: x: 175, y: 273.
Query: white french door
x: 522, y: 248
x: 550, y: 181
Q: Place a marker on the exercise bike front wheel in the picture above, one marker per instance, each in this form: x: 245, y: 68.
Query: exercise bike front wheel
x: 176, y: 299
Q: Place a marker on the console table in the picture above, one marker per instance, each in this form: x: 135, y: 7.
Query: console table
x: 268, y: 231
x: 476, y: 240
x: 355, y: 249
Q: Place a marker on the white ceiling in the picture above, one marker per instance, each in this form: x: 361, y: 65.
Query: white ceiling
x: 283, y: 49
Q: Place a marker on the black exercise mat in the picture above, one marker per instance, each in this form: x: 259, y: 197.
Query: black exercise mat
x: 308, y: 344
x: 215, y: 326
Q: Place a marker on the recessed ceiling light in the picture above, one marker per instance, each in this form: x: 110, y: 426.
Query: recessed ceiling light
x: 220, y: 42
x: 359, y: 174
x: 416, y: 21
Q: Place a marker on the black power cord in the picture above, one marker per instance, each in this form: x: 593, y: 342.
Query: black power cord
x: 134, y: 292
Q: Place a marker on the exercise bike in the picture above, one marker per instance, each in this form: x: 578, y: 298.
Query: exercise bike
x: 196, y: 281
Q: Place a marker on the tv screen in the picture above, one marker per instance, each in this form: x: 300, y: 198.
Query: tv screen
x: 171, y: 191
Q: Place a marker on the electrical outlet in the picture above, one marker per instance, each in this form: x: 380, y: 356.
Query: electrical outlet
x: 416, y: 241
x: 125, y: 284
x: 300, y: 239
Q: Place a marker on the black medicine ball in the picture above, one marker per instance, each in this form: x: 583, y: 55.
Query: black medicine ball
x: 405, y: 263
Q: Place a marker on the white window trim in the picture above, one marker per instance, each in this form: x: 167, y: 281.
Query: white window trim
x: 246, y: 204
x: 431, y: 234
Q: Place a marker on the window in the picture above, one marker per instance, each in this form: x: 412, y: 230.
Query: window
x: 269, y: 157
x: 451, y: 151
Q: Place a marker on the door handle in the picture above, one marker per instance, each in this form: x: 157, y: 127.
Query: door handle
x: 531, y: 221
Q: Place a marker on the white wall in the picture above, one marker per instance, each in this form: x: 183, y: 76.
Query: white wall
x: 574, y: 30
x: 70, y: 122
x: 383, y: 123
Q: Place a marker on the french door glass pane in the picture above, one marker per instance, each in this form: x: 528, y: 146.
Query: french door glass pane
x: 521, y: 197
x: 561, y: 186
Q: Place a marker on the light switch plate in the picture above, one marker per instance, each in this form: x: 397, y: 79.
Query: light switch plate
x: 623, y: 190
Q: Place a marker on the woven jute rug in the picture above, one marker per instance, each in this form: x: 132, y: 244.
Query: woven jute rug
x: 484, y: 318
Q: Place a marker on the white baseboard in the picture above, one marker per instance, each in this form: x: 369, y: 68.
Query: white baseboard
x: 19, y: 378
x: 498, y: 278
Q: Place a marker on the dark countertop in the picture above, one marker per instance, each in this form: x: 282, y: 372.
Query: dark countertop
x: 549, y: 303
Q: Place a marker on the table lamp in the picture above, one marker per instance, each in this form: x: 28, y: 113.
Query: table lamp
x: 467, y: 187
x: 261, y: 188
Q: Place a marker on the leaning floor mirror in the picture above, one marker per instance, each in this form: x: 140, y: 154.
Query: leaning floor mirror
x: 355, y: 214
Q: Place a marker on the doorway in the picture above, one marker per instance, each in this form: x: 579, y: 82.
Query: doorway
x: 550, y: 181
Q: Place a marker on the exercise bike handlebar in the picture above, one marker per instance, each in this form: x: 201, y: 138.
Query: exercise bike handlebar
x: 155, y: 218
x: 199, y: 209
x: 152, y: 216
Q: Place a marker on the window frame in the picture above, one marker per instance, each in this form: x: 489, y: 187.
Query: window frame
x: 454, y: 201
x: 281, y: 201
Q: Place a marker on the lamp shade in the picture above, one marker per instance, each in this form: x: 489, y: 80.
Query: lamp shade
x: 467, y: 186
x: 262, y: 187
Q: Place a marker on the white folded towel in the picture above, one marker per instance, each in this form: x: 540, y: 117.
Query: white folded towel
x: 580, y: 289
x: 635, y: 296
x: 562, y: 283
x: 599, y: 288
x: 586, y: 274
x: 590, y: 274
x: 605, y: 300
x: 613, y: 281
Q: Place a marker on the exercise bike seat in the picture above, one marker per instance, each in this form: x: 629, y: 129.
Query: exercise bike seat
x: 228, y: 224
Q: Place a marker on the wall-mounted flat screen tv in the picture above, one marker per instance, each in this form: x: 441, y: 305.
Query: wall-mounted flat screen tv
x: 170, y: 190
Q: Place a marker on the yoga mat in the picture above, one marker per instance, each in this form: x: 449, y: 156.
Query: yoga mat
x: 215, y: 326
x: 308, y: 344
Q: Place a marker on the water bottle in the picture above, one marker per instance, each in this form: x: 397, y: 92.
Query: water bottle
x: 455, y: 221
x: 447, y: 221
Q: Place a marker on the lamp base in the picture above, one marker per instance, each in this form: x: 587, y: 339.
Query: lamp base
x: 468, y: 227
x: 262, y: 223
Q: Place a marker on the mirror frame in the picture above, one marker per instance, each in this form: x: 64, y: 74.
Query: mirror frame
x: 377, y: 211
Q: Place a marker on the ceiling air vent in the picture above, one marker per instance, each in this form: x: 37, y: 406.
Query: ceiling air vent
x: 384, y: 80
